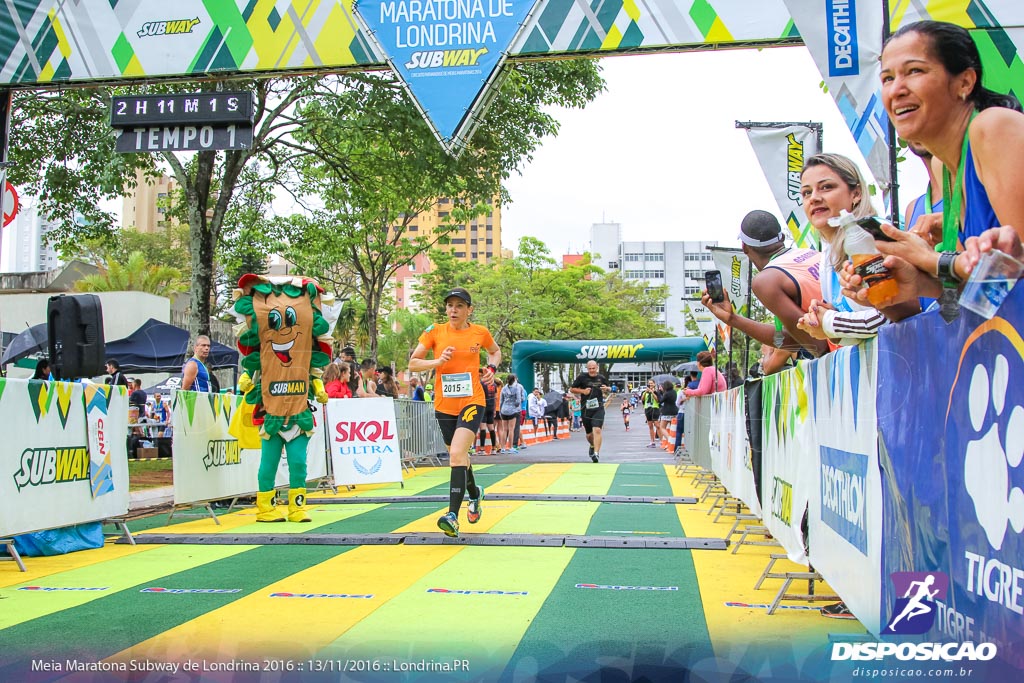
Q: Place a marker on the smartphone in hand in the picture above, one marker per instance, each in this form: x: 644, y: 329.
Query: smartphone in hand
x: 873, y: 226
x: 713, y: 281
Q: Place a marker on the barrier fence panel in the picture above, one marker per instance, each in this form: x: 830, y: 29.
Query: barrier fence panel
x: 698, y: 431
x: 364, y: 442
x: 63, y: 456
x: 730, y: 447
x: 209, y: 462
x: 418, y: 433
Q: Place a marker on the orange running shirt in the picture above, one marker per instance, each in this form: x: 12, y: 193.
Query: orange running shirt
x: 468, y: 343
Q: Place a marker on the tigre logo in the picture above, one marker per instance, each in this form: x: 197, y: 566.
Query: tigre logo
x: 470, y: 414
x: 40, y: 466
x: 162, y: 28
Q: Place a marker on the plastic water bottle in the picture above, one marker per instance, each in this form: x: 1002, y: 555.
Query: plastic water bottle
x: 860, y: 248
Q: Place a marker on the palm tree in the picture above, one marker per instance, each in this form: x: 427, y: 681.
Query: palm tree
x: 137, y: 275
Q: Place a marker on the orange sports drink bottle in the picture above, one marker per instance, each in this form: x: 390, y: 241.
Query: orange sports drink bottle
x: 859, y: 245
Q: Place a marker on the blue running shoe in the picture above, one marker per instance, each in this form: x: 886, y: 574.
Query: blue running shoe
x: 475, y: 507
x: 449, y: 524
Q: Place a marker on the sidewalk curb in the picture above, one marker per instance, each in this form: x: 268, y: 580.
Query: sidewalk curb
x: 147, y: 498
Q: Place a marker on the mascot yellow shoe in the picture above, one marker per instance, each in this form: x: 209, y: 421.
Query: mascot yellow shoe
x: 265, y: 510
x: 297, y: 506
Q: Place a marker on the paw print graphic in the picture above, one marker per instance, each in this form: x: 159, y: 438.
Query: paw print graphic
x: 990, y: 457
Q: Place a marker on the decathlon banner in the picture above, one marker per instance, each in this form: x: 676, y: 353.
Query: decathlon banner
x: 845, y: 518
x: 706, y: 321
x: 781, y: 151
x: 951, y: 453
x: 363, y: 438
x: 789, y: 458
x: 844, y: 38
x: 209, y: 463
x: 50, y: 457
x: 730, y: 447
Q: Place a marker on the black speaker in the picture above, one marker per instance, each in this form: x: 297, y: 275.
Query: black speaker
x: 74, y: 325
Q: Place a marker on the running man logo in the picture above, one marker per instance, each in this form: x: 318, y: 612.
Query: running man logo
x: 470, y: 414
x: 220, y: 453
x: 914, y: 613
x: 597, y: 351
x: 794, y: 166
x: 433, y: 59
x: 40, y: 466
x: 296, y: 388
x: 166, y: 28
x: 782, y: 501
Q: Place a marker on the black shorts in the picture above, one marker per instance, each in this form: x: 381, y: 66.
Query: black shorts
x: 593, y: 419
x: 488, y: 418
x: 513, y: 416
x: 468, y: 418
x: 652, y: 414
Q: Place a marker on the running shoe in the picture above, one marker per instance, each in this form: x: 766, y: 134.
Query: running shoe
x: 449, y: 524
x: 595, y: 456
x: 651, y: 445
x: 513, y: 451
x: 475, y: 507
x: 838, y: 610
x: 591, y: 452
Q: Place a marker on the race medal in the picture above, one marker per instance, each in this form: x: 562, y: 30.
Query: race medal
x: 285, y: 326
x: 457, y: 385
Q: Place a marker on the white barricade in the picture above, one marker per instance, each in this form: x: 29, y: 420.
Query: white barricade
x: 363, y: 440
x: 730, y: 447
x: 208, y: 463
x: 58, y: 467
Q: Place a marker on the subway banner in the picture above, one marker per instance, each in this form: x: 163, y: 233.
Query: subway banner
x: 730, y: 447
x: 951, y: 450
x: 59, y: 468
x: 363, y: 438
x: 781, y: 151
x: 845, y: 507
x: 210, y: 462
x: 789, y: 459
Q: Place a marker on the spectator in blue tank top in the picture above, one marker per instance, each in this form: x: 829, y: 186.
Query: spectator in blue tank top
x: 194, y: 374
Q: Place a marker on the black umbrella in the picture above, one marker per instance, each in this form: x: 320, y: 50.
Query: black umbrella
x: 660, y: 379
x: 31, y: 341
x: 687, y: 368
x: 554, y: 400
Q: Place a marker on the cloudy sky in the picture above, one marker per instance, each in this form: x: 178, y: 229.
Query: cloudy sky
x: 659, y: 151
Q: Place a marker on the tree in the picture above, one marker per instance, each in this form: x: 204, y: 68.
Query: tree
x: 165, y: 248
x: 400, y: 337
x: 136, y: 274
x: 378, y: 168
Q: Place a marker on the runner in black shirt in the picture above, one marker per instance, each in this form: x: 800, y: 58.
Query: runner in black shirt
x: 591, y: 389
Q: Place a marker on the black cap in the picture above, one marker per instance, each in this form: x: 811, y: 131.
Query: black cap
x: 461, y: 294
x: 760, y: 229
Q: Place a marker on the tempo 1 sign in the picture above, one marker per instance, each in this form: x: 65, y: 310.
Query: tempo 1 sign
x: 183, y: 121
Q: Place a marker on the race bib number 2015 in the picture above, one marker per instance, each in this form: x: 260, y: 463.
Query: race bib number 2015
x: 457, y: 385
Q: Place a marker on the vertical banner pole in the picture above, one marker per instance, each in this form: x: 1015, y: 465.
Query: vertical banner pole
x: 894, y: 194
x: 5, y: 127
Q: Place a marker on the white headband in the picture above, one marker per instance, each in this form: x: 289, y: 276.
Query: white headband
x: 751, y: 242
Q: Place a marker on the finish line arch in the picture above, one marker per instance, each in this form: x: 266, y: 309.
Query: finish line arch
x: 530, y: 351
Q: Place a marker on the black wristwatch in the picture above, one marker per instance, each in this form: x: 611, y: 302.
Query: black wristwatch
x: 949, y: 300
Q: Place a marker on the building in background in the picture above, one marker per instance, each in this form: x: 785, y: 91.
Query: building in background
x: 145, y: 206
x: 23, y: 248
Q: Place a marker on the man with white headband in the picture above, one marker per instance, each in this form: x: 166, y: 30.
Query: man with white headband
x: 786, y: 281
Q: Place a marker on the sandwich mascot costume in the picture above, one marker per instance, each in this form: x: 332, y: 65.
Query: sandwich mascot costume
x: 285, y: 342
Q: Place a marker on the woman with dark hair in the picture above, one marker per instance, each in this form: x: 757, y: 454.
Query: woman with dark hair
x: 386, y: 384
x: 42, y: 369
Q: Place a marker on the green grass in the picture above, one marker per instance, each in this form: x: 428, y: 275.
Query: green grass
x: 135, y: 466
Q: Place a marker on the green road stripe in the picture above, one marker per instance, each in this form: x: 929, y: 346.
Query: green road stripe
x: 112, y: 623
x: 116, y: 575
x: 584, y: 479
x: 483, y: 629
x: 640, y: 479
x: 579, y: 628
x: 544, y: 517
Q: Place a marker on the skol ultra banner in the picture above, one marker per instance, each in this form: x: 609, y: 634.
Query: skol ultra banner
x: 782, y: 151
x: 210, y: 462
x: 364, y: 443
x: 50, y: 460
x: 730, y: 447
x: 789, y: 458
x: 951, y: 420
x: 845, y: 515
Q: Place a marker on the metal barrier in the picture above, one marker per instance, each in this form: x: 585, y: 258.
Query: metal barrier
x: 418, y: 433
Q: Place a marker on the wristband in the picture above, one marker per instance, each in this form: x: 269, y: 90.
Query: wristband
x: 945, y: 270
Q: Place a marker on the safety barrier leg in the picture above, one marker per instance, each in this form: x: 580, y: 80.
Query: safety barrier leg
x: 12, y: 553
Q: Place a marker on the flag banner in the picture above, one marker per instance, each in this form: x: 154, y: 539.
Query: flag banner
x: 845, y: 514
x: 706, y: 322
x: 364, y: 443
x: 782, y: 151
x: 209, y: 461
x: 844, y: 38
x: 951, y: 423
x: 735, y: 269
x: 52, y: 455
x: 730, y: 447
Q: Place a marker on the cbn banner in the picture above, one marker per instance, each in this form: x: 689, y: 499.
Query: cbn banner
x: 363, y: 436
x: 951, y: 451
x: 781, y: 151
x: 845, y: 515
x: 706, y: 322
x: 730, y: 447
x: 789, y: 458
x: 209, y: 463
x: 53, y: 458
